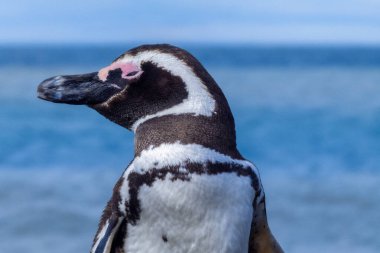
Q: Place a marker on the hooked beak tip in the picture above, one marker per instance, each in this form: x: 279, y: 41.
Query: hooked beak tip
x: 50, y: 89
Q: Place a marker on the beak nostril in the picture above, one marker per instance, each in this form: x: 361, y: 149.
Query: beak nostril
x: 56, y: 82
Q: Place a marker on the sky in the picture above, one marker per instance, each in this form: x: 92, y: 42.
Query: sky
x: 200, y: 21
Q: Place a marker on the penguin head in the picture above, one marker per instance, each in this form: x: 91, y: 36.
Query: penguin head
x: 146, y: 82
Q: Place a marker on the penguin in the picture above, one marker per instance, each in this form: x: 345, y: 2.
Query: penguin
x: 188, y: 188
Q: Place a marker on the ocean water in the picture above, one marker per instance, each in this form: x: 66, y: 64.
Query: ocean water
x: 308, y: 117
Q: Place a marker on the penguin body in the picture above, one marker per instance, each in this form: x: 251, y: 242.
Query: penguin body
x: 188, y: 189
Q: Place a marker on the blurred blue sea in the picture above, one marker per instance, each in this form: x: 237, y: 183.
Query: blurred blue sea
x: 308, y: 117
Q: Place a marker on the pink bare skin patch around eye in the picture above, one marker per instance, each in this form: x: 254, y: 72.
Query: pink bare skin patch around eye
x: 129, y: 70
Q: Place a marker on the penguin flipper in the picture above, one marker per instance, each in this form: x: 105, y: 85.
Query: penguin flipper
x: 261, y: 239
x: 105, y: 239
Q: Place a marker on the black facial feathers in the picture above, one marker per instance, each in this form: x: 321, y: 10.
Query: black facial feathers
x: 156, y: 90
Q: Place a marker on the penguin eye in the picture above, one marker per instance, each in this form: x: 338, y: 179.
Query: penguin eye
x: 132, y: 73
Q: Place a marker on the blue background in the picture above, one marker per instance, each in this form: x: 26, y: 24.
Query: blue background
x: 302, y: 79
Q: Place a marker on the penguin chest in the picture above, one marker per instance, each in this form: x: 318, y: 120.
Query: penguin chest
x: 202, y: 213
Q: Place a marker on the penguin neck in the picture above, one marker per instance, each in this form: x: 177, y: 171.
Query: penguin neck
x: 210, y: 132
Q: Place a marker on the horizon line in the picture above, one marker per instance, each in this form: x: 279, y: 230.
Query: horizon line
x: 192, y: 43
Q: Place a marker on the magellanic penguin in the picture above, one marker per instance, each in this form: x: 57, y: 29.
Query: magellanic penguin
x: 188, y: 189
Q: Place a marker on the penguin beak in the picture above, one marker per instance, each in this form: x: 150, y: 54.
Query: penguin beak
x: 79, y: 89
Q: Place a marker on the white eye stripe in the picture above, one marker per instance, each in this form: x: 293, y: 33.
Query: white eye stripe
x: 199, y: 100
